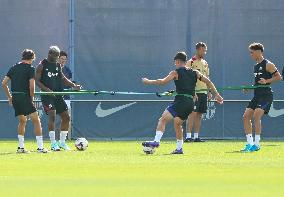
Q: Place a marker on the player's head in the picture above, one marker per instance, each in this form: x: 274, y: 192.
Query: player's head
x: 180, y: 58
x: 256, y: 50
x: 53, y: 54
x: 28, y: 55
x: 201, y: 49
x: 62, y: 58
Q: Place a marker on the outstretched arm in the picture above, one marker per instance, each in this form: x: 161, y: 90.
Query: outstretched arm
x: 69, y: 83
x: 171, y: 76
x: 6, y: 88
x: 210, y: 86
x: 276, y: 76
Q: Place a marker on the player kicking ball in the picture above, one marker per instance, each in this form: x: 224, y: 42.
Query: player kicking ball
x: 265, y: 73
x: 22, y: 76
x: 185, y: 81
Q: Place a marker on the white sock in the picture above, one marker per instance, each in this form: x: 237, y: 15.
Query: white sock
x: 257, y: 139
x: 63, y: 135
x: 39, y: 141
x: 179, y: 144
x: 158, y: 136
x: 249, y: 139
x: 52, y: 136
x: 195, y: 135
x: 188, y: 135
x: 21, y: 141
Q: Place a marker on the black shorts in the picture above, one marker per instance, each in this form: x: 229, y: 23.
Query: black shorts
x: 200, y: 105
x: 181, y: 107
x: 54, y: 103
x: 23, y: 105
x: 263, y: 102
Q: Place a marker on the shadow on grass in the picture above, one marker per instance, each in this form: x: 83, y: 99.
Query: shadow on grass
x: 160, y: 155
x: 7, y: 153
x: 237, y: 151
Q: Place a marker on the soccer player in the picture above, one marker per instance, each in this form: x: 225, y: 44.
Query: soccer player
x: 65, y: 70
x: 22, y: 76
x: 197, y: 62
x: 265, y: 73
x: 49, y: 78
x: 185, y: 81
x: 63, y: 57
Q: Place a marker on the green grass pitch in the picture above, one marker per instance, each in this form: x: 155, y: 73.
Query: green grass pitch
x: 213, y: 168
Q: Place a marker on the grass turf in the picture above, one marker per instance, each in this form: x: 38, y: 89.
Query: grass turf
x: 121, y: 169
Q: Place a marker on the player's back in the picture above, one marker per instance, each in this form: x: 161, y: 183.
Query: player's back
x: 20, y: 74
x: 186, y: 81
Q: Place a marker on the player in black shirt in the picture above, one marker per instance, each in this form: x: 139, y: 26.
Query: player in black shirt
x: 66, y: 71
x: 49, y: 78
x: 23, y: 90
x: 265, y: 73
x: 185, y: 81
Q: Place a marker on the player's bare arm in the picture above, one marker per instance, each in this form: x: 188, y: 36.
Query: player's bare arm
x: 38, y: 78
x: 69, y: 83
x: 210, y: 86
x: 171, y: 76
x: 6, y: 89
x: 32, y: 88
x: 209, y: 94
x: 276, y: 76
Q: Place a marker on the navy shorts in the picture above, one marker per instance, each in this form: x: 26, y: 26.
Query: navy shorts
x: 200, y: 105
x: 54, y: 103
x: 263, y: 102
x: 23, y: 105
x: 181, y: 107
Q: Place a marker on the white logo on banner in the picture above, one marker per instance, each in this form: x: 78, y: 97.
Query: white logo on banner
x: 38, y: 106
x: 275, y: 112
x: 211, y: 110
x: 107, y: 112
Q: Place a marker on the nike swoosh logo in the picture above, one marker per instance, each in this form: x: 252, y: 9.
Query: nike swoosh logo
x: 107, y: 112
x: 275, y: 112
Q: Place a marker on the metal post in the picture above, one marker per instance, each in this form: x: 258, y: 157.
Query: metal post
x: 71, y: 50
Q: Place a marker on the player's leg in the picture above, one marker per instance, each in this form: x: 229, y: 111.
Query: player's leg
x: 51, y: 120
x: 65, y: 122
x: 263, y: 107
x: 197, y: 125
x: 62, y: 110
x: 38, y: 132
x: 179, y: 135
x: 190, y: 124
x: 200, y: 109
x: 247, y: 117
x: 258, y: 114
x: 51, y: 128
x: 164, y: 119
x: 161, y: 127
x: 183, y: 109
x: 21, y: 133
x: 48, y: 103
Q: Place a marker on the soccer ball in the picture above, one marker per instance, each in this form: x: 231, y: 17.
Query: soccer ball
x: 149, y: 150
x: 81, y: 144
